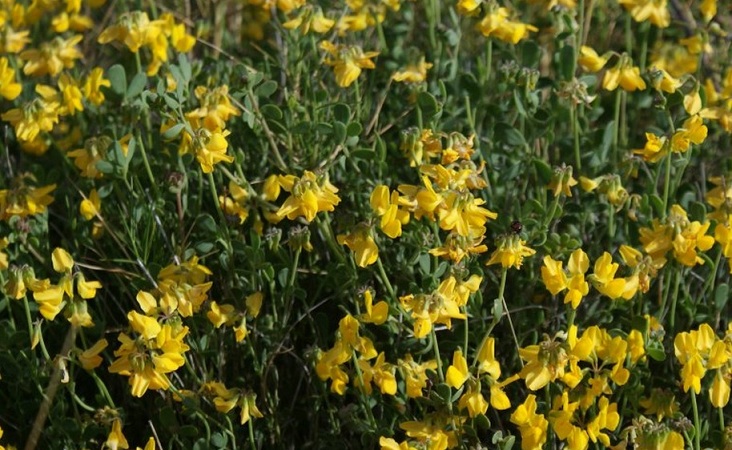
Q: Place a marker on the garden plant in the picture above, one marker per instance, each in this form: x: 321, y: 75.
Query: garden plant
x: 396, y: 224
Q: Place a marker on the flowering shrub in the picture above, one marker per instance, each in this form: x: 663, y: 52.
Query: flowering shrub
x: 405, y: 224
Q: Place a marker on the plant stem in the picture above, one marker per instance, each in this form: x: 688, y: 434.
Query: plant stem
x: 501, y: 290
x: 436, y: 349
x: 697, y: 427
x: 385, y: 279
x: 575, y: 136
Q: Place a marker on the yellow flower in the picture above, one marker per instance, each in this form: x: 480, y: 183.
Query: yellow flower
x: 40, y: 114
x: 511, y: 252
x: 214, y: 110
x: 235, y: 205
x: 590, y: 60
x: 387, y: 207
x: 708, y: 9
x: 532, y: 426
x: 498, y: 24
x: 90, y: 206
x: 52, y: 57
x: 211, y: 149
x: 561, y: 181
x: 693, y: 132
x: 347, y: 62
x: 23, y: 200
x: 603, y: 277
x: 9, y: 88
x: 556, y: 279
x: 376, y: 314
x: 693, y: 349
x: 254, y: 303
x: 133, y: 29
x: 415, y: 375
x: 310, y: 19
x: 69, y: 90
x: 656, y: 11
x: 116, y: 440
x: 469, y: 7
x: 654, y: 150
x: 90, y: 359
x: 86, y: 289
x: 690, y: 239
x: 663, y: 81
x: 328, y: 366
x: 625, y: 75
x: 381, y: 373
x: 220, y: 315
x: 458, y: 372
x: 473, y: 400
x: 93, y: 86
x: 309, y: 195
x: 441, y: 306
x: 362, y: 244
x: 414, y: 73
x: 50, y: 301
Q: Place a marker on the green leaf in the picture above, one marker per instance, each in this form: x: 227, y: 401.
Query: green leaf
x: 339, y: 132
x: 219, y: 440
x: 567, y: 62
x: 697, y: 211
x: 105, y: 167
x: 266, y: 89
x: 655, y: 351
x: 173, y: 132
x: 137, y: 85
x: 424, y: 263
x: 207, y: 224
x: 185, y: 67
x: 530, y: 53
x: 721, y: 296
x: 657, y: 205
x: 118, y: 78
x: 497, y: 310
x: 271, y: 112
x: 342, y: 112
x: 428, y: 104
x: 510, y: 135
x: 354, y: 129
x: 544, y: 170
x: 170, y: 102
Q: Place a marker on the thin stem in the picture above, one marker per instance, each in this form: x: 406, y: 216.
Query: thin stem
x: 501, y: 290
x: 674, y: 300
x: 697, y: 425
x: 436, y: 348
x: 488, y: 61
x: 616, y: 125
x: 359, y: 374
x: 667, y: 183
x: 575, y: 136
x: 148, y: 170
x: 385, y: 279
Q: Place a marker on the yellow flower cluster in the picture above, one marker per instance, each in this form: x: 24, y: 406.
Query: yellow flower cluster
x: 679, y: 234
x: 700, y: 351
x: 136, y: 31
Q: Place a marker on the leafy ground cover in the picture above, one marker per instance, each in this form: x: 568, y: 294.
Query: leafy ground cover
x: 370, y: 223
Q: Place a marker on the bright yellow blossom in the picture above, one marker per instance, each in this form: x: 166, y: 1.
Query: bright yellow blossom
x: 309, y: 195
x: 511, y: 252
x: 347, y: 62
x: 498, y: 24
